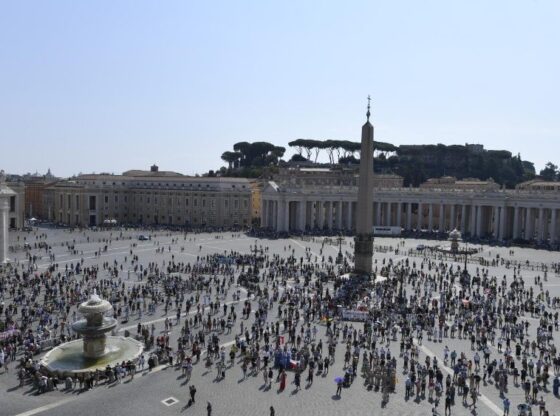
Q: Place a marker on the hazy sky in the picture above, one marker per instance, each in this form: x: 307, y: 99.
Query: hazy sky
x: 91, y: 86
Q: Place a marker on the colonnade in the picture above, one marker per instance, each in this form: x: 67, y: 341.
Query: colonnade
x: 501, y: 220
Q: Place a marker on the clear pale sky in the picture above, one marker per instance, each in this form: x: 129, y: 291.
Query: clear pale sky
x: 92, y: 86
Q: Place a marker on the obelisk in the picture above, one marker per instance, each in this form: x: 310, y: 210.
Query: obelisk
x: 363, y: 247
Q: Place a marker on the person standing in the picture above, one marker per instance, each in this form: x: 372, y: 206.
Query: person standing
x: 272, y: 411
x: 339, y: 388
x: 209, y: 409
x: 192, y: 392
x: 283, y: 377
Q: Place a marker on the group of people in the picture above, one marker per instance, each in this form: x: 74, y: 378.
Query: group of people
x: 282, y: 314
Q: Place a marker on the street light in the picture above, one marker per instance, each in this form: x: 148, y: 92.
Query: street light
x: 340, y: 257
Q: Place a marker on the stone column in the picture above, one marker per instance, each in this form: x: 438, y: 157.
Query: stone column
x: 339, y: 215
x: 503, y: 219
x: 301, y: 215
x: 515, y: 223
x: 329, y: 214
x: 430, y: 217
x: 274, y: 215
x: 399, y: 214
x: 309, y: 214
x: 540, y: 231
x: 420, y: 216
x: 321, y: 215
x: 388, y: 213
x: 473, y: 220
x: 553, y: 234
x: 378, y: 213
x: 452, y: 218
x: 4, y: 230
x: 349, y: 216
x: 286, y: 209
x: 463, y: 218
x: 479, y: 217
x: 529, y: 224
x: 409, y: 216
x: 441, y: 218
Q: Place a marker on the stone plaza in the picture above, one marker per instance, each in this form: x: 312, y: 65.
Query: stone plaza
x: 164, y: 391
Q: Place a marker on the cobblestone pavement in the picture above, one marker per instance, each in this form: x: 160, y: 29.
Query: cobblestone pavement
x: 233, y: 395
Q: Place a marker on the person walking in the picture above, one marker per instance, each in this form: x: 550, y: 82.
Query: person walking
x: 209, y: 409
x: 506, y: 404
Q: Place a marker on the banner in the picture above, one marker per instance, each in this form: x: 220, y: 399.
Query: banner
x: 353, y: 315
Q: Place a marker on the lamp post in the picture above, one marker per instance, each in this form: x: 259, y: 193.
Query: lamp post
x: 465, y: 280
x: 340, y: 257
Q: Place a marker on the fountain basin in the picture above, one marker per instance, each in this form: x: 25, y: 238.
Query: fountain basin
x: 68, y: 358
x: 105, y: 325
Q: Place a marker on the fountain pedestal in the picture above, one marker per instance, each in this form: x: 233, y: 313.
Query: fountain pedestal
x: 95, y: 346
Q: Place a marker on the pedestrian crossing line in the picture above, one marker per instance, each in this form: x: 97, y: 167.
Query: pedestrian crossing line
x: 46, y: 407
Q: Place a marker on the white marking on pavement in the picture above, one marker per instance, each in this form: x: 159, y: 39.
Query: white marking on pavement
x: 302, y: 246
x: 170, y: 401
x: 175, y: 316
x: 484, y: 399
x: 46, y: 407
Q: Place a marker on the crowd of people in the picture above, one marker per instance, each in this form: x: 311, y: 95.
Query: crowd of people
x: 282, y: 315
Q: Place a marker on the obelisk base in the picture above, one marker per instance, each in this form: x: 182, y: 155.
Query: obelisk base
x: 363, y: 249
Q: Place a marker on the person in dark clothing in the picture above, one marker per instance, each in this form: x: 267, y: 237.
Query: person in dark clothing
x: 192, y: 392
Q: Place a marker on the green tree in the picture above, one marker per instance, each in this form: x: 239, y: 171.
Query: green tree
x: 550, y: 172
x: 231, y: 158
x: 299, y: 144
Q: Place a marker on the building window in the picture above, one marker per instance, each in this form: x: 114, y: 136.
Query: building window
x: 106, y: 199
x: 92, y: 201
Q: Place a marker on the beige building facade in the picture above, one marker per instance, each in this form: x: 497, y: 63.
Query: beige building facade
x: 150, y: 198
x: 16, y: 212
x: 477, y: 211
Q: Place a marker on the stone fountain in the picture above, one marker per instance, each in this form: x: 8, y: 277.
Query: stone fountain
x: 95, y: 350
x: 454, y: 238
x: 94, y: 327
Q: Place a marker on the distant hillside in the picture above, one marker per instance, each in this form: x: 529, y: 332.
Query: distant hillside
x: 415, y: 163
